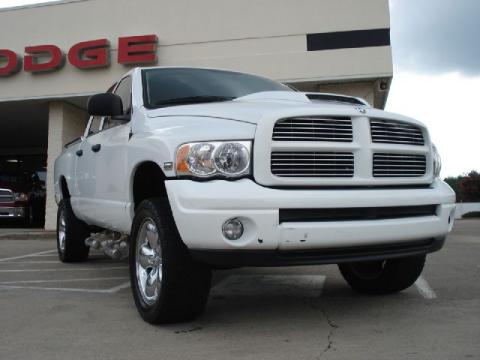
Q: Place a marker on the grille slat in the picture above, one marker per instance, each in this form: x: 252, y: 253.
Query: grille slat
x: 401, y: 137
x: 399, y: 165
x: 312, y: 164
x: 309, y: 118
x: 6, y: 196
x: 338, y: 129
x: 395, y: 132
x: 391, y: 126
x: 322, y: 132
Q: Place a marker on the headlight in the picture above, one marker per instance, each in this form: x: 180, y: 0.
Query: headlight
x: 215, y: 158
x: 20, y: 197
x: 437, y: 161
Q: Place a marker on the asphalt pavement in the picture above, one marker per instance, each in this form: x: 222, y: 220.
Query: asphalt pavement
x: 50, y: 310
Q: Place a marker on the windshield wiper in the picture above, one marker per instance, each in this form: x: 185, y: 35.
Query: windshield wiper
x: 193, y: 100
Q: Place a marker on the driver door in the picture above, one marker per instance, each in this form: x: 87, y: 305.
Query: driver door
x: 101, y: 172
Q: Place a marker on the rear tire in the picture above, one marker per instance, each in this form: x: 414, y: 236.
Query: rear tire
x: 29, y: 216
x: 71, y: 234
x: 167, y: 284
x: 383, y: 276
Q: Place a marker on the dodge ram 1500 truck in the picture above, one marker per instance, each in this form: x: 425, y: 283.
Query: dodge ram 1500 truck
x: 191, y: 169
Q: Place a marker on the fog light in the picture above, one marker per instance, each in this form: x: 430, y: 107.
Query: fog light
x: 232, y: 229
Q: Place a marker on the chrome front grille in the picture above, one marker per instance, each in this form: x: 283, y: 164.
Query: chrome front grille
x: 313, y: 128
x: 399, y: 165
x: 312, y: 164
x: 331, y: 148
x: 6, y: 196
x: 395, y: 132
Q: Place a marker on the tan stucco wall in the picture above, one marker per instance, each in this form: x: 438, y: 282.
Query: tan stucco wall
x: 266, y: 37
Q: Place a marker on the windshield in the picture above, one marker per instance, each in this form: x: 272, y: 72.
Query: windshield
x: 177, y: 86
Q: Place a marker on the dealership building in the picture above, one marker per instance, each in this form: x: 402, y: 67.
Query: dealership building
x: 53, y: 56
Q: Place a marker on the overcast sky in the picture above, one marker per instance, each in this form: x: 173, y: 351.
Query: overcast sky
x: 436, y: 56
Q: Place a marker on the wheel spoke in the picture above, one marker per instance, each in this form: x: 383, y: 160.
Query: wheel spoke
x: 147, y: 257
x: 152, y: 236
x: 148, y: 262
x: 61, y: 232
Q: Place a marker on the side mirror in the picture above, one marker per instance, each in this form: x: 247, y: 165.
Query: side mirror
x: 106, y: 104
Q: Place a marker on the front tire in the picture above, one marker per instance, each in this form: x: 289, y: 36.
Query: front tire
x: 71, y: 234
x: 383, y: 276
x: 167, y: 284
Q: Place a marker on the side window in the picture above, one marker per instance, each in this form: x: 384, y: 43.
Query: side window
x: 124, y: 91
x: 95, y: 125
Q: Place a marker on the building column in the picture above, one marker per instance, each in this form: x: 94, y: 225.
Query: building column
x: 65, y: 123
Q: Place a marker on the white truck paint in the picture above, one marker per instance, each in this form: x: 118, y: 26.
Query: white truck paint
x: 100, y: 184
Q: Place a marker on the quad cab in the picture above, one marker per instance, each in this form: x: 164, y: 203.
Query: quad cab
x: 189, y: 170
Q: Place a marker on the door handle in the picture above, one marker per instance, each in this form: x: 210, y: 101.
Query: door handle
x: 96, y: 147
x: 79, y: 152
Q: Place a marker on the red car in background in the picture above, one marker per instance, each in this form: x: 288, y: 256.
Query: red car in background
x: 22, y: 194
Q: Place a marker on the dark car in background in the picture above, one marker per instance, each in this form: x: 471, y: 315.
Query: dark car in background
x: 22, y: 191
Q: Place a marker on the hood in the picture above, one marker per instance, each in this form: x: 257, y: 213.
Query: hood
x: 252, y: 108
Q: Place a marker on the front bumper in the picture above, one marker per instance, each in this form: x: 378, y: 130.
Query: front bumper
x: 200, y: 209
x: 239, y: 258
x: 12, y: 212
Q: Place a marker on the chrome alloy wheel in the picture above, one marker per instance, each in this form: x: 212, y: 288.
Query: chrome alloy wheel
x: 61, y: 231
x: 148, y: 262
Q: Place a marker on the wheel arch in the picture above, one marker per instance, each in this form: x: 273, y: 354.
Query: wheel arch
x: 63, y: 185
x: 147, y: 180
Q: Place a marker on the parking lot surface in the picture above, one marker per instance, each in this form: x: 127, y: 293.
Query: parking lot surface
x: 50, y: 310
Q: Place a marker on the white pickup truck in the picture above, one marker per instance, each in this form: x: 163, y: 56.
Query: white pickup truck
x: 194, y: 169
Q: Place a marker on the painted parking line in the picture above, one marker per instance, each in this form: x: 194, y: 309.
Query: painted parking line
x: 236, y: 285
x: 92, y: 255
x: 112, y: 290
x: 61, y: 280
x: 289, y: 285
x: 27, y: 255
x: 30, y: 262
x: 272, y: 285
x: 65, y: 269
x: 425, y: 289
x: 45, y: 255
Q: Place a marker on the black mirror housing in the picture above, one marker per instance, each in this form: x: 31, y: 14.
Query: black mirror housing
x: 106, y: 104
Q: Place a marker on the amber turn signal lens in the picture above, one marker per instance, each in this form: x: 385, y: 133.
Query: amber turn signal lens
x: 182, y: 155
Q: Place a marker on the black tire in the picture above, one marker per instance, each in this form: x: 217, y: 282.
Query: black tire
x: 183, y: 290
x: 75, y: 232
x: 383, y: 276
